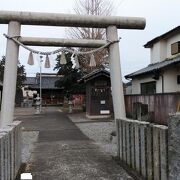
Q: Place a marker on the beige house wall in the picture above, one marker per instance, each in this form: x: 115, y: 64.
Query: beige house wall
x: 136, y: 84
x: 162, y: 49
x: 170, y: 81
x: 170, y: 41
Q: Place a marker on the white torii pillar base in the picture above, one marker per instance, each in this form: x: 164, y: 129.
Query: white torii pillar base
x: 10, y: 76
x: 115, y: 73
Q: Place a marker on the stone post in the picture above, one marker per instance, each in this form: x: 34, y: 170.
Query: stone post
x: 137, y: 147
x: 10, y: 76
x: 156, y: 153
x: 149, y: 153
x: 174, y: 147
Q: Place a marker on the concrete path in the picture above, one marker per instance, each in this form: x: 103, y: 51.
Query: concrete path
x: 63, y: 152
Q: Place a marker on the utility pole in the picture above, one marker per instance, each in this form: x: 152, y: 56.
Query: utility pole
x: 40, y: 83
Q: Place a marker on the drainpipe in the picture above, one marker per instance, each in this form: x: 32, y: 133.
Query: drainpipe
x: 162, y: 78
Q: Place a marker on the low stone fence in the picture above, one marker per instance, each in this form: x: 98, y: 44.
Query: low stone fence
x: 174, y: 147
x: 144, y: 148
x: 10, y: 151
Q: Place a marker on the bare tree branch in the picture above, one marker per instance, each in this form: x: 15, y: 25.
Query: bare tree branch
x: 91, y: 7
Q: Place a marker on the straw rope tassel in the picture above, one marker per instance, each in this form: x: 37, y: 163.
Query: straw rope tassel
x: 92, y: 61
x: 47, y: 62
x: 30, y: 59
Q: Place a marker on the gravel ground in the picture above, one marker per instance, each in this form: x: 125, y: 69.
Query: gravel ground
x: 28, y: 140
x: 97, y: 130
x: 28, y: 137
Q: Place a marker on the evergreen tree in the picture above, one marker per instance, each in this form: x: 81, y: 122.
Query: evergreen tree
x: 21, y: 77
x: 69, y: 76
x: 21, y: 74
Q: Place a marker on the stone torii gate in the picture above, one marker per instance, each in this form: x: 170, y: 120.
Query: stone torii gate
x: 16, y: 19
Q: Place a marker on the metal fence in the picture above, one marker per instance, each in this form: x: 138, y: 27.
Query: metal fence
x: 144, y: 148
x: 10, y: 151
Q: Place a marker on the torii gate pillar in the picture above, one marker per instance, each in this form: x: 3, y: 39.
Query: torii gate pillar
x: 10, y: 75
x: 115, y: 72
x: 52, y: 19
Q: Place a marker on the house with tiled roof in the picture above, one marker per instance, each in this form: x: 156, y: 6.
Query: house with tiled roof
x: 50, y: 93
x: 162, y: 75
x: 155, y: 89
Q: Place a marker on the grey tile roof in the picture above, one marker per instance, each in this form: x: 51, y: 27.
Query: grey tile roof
x: 30, y: 81
x: 95, y: 73
x: 163, y: 36
x: 156, y: 66
x: 47, y: 82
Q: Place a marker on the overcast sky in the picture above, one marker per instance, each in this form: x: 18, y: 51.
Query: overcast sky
x: 161, y: 16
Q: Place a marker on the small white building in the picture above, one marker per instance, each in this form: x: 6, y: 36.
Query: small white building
x: 162, y: 75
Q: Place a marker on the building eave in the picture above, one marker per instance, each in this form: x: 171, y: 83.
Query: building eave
x: 166, y: 35
x: 94, y: 74
x: 151, y: 68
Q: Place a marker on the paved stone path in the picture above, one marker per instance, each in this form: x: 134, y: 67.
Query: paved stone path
x: 63, y: 152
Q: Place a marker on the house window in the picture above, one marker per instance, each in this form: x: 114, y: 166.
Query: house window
x: 148, y: 88
x: 175, y: 48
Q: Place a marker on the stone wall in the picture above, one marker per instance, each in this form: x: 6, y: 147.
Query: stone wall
x: 174, y: 147
x: 10, y: 150
x: 144, y: 148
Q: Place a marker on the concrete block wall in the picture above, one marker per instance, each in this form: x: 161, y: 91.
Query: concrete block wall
x: 10, y: 151
x: 174, y: 147
x: 144, y: 148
